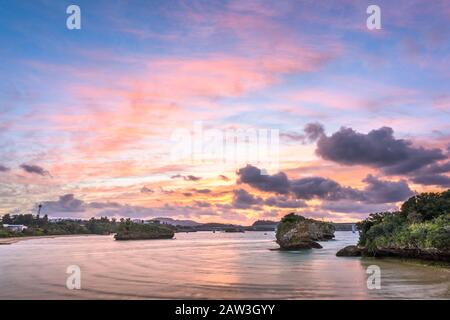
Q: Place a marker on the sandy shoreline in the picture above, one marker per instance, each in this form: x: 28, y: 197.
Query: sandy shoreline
x: 6, y: 241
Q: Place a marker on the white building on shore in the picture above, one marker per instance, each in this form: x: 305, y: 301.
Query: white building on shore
x: 15, y: 227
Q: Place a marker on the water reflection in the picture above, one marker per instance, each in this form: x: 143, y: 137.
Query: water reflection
x: 206, y: 265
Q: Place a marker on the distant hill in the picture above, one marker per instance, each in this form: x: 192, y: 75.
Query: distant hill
x: 259, y: 225
x: 264, y: 223
x: 216, y: 226
x: 175, y: 222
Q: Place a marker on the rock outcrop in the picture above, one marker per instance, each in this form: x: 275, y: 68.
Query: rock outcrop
x: 350, y: 251
x: 137, y: 231
x: 295, y: 232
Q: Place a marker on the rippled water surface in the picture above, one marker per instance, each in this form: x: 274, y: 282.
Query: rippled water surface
x: 206, y: 265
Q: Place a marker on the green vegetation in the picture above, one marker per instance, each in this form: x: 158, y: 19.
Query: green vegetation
x: 288, y: 222
x: 124, y: 229
x: 296, y: 232
x: 37, y: 226
x: 136, y: 231
x: 423, y: 222
x: 291, y: 220
x: 234, y: 230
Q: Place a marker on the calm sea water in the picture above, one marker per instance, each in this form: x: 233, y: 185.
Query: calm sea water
x: 206, y: 265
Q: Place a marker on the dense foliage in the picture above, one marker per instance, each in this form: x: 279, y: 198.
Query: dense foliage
x: 423, y: 222
x: 37, y: 226
x: 287, y: 223
x: 137, y: 231
x: 291, y: 220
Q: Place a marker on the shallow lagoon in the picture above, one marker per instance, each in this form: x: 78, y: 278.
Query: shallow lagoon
x: 206, y: 265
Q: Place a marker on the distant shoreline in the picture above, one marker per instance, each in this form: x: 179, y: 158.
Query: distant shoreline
x: 12, y: 240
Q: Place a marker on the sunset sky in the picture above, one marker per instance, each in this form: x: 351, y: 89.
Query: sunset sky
x: 87, y: 116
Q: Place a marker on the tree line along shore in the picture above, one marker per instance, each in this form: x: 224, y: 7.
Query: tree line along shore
x: 420, y: 229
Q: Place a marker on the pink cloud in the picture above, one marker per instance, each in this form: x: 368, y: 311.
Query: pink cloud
x: 346, y: 99
x: 111, y: 116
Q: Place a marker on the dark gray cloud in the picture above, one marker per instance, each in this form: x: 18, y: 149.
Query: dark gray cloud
x: 146, y: 190
x: 304, y: 188
x: 35, y: 170
x: 3, y: 168
x: 202, y: 204
x: 186, y: 178
x: 433, y: 175
x: 191, y: 178
x: 164, y: 191
x: 376, y: 191
x: 65, y: 203
x: 311, y: 133
x: 244, y: 200
x: 69, y: 206
x: 377, y: 149
x: 433, y: 180
x: 252, y: 176
x: 438, y: 168
x: 202, y: 191
x: 314, y: 131
x: 379, y: 191
x: 322, y: 188
x: 434, y: 169
x: 284, y: 202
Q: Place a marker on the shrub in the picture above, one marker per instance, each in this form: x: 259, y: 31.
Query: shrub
x: 423, y: 222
